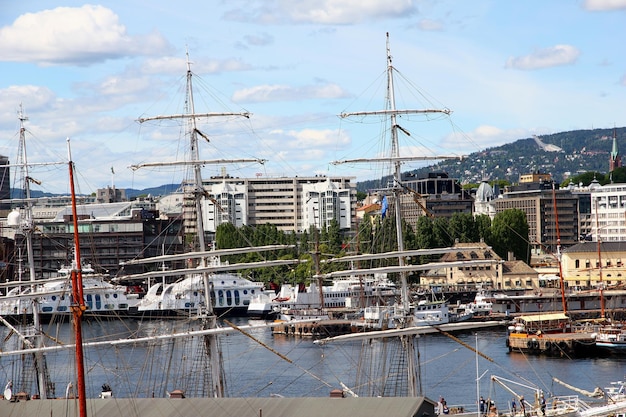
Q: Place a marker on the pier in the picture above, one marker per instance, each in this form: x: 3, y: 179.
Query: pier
x: 339, y: 328
x: 557, y: 344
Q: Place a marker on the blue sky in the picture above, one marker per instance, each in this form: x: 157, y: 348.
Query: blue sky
x: 506, y: 69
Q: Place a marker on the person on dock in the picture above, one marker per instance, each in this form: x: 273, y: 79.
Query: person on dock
x: 542, y: 403
x: 481, y: 406
x: 513, y: 406
x: 522, y: 405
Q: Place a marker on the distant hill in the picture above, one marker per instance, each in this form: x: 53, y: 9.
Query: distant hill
x: 154, y: 191
x: 130, y: 192
x: 561, y: 154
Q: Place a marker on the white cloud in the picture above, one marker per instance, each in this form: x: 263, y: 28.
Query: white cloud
x: 430, y: 25
x: 604, y: 5
x: 76, y: 36
x: 322, y: 11
x: 259, y: 40
x: 178, y: 65
x: 544, y: 58
x: 279, y: 92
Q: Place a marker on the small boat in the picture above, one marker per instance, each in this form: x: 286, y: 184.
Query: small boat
x: 611, y: 338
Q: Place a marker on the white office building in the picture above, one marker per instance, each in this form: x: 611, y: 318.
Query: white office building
x: 608, y: 212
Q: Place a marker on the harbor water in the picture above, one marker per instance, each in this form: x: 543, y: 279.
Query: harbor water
x: 260, y: 364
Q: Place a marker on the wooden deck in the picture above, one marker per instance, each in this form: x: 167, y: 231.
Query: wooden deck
x: 551, y: 343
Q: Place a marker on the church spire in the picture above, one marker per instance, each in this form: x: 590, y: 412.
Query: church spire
x: 615, y: 160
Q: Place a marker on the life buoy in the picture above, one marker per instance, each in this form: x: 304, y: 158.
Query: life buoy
x: 536, y: 345
x: 548, y: 345
x: 529, y: 344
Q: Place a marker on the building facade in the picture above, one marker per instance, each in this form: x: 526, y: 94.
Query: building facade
x: 292, y: 204
x: 587, y: 264
x: 537, y: 201
x: 109, y: 234
x: 608, y: 212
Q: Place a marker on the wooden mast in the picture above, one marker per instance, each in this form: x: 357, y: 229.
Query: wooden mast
x: 78, y: 302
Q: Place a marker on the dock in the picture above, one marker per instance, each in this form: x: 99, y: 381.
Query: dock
x: 338, y: 328
x: 553, y: 344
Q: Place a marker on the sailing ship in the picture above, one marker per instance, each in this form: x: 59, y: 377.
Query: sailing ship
x: 186, y: 374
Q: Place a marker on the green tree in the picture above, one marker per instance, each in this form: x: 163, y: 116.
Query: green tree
x: 483, y: 226
x: 424, y: 230
x: 510, y: 233
x: 462, y: 226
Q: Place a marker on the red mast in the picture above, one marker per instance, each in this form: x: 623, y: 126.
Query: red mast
x: 78, y: 302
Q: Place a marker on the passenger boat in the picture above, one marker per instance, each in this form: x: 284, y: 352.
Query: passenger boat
x: 611, y: 338
x: 350, y: 292
x: 53, y: 297
x: 27, y: 294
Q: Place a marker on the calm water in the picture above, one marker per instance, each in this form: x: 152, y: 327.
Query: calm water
x: 303, y: 368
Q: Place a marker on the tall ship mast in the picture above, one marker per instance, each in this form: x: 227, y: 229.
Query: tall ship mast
x: 217, y: 385
x: 396, y: 160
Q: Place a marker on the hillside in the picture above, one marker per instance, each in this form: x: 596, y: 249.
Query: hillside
x: 560, y: 154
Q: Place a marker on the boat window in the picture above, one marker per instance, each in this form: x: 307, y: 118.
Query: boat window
x: 115, y: 295
x: 229, y: 298
x: 237, y: 298
x: 220, y: 297
x: 54, y: 297
x: 46, y: 309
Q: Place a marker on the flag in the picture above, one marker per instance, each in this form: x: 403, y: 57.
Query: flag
x: 383, y: 210
x: 112, y: 171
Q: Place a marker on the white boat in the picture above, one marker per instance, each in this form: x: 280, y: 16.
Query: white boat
x: 211, y: 286
x: 349, y: 292
x: 611, y: 338
x: 481, y: 305
x: 231, y: 294
x: 53, y: 297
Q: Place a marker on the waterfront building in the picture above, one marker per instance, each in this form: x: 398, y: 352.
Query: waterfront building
x: 608, y: 212
x: 110, y: 194
x: 496, y: 273
x: 466, y: 277
x: 289, y: 203
x: 435, y: 195
x: 586, y: 264
x: 110, y: 234
x: 536, y: 200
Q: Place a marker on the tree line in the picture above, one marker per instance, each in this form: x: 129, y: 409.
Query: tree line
x: 508, y: 232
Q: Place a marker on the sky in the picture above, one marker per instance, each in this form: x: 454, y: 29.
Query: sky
x: 507, y: 70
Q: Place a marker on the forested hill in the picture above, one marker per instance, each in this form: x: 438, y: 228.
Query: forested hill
x: 560, y: 154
